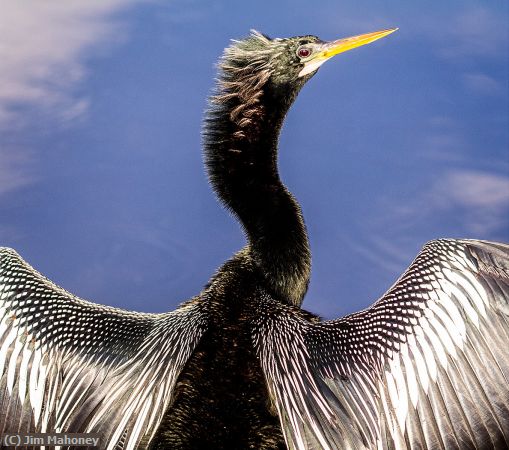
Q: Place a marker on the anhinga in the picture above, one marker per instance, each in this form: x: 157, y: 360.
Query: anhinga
x: 241, y: 365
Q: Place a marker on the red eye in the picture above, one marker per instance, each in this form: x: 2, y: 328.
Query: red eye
x: 303, y: 52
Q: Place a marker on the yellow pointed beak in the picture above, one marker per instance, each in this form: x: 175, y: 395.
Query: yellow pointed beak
x: 330, y: 49
x: 343, y: 45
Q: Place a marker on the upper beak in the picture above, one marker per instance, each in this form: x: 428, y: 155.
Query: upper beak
x: 330, y: 49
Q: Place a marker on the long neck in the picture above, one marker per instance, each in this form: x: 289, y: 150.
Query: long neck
x: 241, y: 144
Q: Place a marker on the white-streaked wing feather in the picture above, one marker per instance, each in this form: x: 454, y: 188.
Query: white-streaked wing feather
x: 426, y: 367
x: 70, y: 365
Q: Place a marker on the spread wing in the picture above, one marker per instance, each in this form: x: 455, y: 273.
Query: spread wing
x: 426, y: 367
x: 68, y: 365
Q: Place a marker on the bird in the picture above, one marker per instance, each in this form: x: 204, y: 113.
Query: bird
x: 241, y: 365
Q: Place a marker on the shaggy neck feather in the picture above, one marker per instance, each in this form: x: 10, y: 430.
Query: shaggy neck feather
x: 241, y: 143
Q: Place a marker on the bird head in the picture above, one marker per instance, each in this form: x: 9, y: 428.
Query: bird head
x: 259, y: 65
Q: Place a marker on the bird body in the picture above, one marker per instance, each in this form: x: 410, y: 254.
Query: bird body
x: 241, y: 365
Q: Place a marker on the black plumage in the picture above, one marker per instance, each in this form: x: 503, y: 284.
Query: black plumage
x: 241, y: 365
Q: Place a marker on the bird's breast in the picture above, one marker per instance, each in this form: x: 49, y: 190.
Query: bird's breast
x: 221, y: 399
